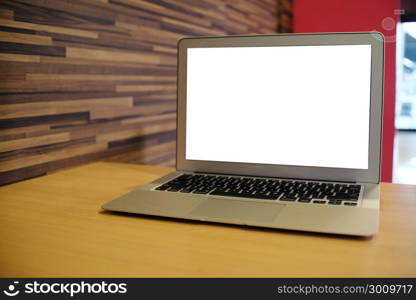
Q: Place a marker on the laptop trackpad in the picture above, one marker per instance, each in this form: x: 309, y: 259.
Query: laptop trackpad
x: 236, y: 210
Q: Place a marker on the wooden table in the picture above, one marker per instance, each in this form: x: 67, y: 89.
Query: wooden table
x: 54, y: 226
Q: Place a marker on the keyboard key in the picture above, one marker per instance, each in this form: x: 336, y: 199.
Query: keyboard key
x: 287, y: 199
x: 234, y: 194
x: 350, y: 203
x: 289, y: 195
x: 201, y: 191
x: 275, y: 195
x: 319, y: 201
x: 334, y: 202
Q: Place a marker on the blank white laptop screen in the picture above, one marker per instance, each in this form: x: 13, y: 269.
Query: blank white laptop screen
x: 292, y: 105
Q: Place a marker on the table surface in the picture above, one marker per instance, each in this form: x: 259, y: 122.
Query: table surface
x: 54, y: 226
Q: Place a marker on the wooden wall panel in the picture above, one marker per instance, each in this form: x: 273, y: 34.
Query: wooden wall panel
x: 84, y: 80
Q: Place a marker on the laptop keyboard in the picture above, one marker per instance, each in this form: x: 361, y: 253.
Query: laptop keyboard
x: 266, y: 189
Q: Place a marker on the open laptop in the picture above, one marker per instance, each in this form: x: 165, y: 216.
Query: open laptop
x: 277, y: 131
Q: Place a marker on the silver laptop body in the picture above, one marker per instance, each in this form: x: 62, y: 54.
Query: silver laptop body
x: 277, y: 131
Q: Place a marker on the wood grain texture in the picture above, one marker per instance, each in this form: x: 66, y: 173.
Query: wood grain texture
x: 85, y: 80
x: 59, y: 217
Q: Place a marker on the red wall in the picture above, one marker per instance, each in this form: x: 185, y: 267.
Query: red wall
x: 359, y: 15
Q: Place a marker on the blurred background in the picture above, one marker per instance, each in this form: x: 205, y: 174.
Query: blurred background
x: 88, y: 80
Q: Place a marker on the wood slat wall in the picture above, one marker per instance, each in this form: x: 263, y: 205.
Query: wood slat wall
x: 84, y: 80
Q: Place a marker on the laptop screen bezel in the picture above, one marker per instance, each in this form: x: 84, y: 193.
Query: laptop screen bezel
x: 370, y: 175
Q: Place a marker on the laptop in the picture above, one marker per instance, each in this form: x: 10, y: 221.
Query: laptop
x: 278, y: 131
